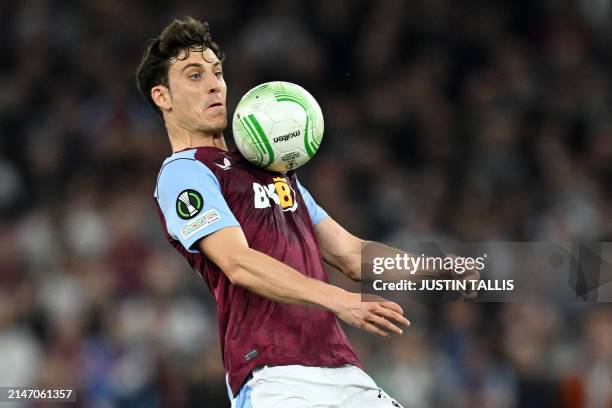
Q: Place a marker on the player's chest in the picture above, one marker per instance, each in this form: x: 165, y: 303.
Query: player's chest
x: 262, y: 192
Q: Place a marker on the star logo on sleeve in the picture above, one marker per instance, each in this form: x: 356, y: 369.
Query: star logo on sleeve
x: 189, y: 203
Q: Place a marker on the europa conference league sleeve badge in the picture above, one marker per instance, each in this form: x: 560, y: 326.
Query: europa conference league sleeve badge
x: 189, y: 203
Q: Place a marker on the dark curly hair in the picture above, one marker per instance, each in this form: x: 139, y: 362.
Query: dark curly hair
x: 186, y: 35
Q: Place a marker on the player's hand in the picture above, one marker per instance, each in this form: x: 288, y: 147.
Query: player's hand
x: 465, y: 275
x: 381, y: 318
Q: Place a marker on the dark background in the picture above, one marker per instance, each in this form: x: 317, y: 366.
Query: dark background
x: 471, y: 120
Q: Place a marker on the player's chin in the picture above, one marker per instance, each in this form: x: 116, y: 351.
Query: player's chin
x: 215, y: 116
x: 214, y: 119
x: 215, y: 125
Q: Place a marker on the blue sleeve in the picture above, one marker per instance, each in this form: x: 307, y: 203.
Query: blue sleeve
x: 317, y: 214
x: 190, y: 198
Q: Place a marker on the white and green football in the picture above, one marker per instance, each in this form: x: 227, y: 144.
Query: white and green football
x: 278, y: 126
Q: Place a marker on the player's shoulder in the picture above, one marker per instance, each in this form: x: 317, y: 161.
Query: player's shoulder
x: 182, y: 158
x: 179, y: 162
x: 180, y: 168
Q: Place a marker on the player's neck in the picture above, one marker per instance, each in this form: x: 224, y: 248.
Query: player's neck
x: 182, y: 139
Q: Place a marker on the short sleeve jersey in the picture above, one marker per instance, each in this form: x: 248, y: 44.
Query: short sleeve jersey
x: 200, y: 191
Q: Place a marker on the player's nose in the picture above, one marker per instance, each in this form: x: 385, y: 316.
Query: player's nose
x: 213, y: 85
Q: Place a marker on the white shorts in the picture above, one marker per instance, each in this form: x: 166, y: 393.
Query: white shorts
x: 296, y: 386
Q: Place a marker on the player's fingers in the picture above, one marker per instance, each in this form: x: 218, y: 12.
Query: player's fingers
x: 383, y: 323
x: 392, y: 315
x: 392, y: 306
x: 371, y: 328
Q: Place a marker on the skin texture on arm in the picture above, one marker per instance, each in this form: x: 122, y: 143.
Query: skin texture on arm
x: 343, y: 250
x: 339, y: 247
x: 267, y: 277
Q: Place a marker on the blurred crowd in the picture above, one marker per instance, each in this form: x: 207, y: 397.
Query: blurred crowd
x: 469, y: 119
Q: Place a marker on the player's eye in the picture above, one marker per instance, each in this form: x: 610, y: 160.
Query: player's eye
x: 195, y: 75
x: 219, y: 74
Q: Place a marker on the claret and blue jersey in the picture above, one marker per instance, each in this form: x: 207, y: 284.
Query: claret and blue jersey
x: 200, y: 191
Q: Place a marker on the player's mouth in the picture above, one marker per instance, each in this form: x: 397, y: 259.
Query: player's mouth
x: 214, y: 105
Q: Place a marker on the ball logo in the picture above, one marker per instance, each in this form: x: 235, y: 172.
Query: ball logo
x: 189, y: 203
x: 279, y: 192
x: 284, y: 138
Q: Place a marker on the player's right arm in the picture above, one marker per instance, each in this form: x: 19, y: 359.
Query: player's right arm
x: 197, y: 215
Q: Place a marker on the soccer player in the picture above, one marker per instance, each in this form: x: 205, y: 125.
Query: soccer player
x: 281, y: 341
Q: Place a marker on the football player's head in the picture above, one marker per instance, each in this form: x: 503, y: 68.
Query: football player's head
x: 181, y: 77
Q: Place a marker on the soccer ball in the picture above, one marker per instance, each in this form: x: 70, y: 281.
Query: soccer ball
x: 278, y: 126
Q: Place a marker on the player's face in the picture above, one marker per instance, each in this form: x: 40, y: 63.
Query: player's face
x: 198, y: 92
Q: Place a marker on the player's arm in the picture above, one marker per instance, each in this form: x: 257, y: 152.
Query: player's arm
x: 264, y: 275
x: 343, y: 250
x: 339, y: 247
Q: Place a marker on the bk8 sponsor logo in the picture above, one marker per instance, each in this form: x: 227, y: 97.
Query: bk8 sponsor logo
x: 279, y: 192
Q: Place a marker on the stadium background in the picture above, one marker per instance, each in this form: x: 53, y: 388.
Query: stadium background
x: 476, y: 120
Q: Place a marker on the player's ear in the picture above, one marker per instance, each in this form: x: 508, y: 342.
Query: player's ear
x: 161, y: 96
